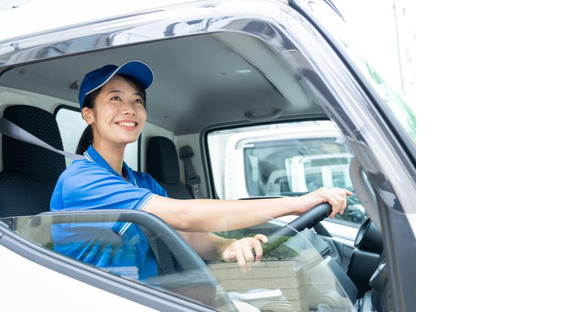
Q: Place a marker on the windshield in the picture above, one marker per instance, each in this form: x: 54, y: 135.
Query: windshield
x: 282, y: 159
x: 292, y: 275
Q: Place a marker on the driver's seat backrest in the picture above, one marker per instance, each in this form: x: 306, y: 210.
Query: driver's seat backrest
x: 163, y: 165
x: 29, y: 172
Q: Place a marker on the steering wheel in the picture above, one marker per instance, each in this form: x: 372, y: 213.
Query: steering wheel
x: 307, y: 220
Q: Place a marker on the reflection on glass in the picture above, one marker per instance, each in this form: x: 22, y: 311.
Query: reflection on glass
x: 293, y: 274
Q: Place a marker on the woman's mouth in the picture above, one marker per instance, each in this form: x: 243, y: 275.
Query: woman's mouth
x: 128, y: 124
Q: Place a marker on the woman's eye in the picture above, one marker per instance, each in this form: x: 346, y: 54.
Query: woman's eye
x: 115, y: 98
x: 139, y: 101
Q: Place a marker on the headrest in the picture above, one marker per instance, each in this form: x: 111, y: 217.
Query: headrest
x: 185, y: 152
x: 28, y: 159
x: 162, y: 161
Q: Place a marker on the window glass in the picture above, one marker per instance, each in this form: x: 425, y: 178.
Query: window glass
x: 287, y: 159
x: 72, y: 125
x: 389, y: 63
x: 292, y: 275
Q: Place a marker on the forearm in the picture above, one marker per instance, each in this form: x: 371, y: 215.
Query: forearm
x: 209, y: 215
x: 207, y: 245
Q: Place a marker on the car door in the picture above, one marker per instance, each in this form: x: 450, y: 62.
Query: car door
x: 389, y: 165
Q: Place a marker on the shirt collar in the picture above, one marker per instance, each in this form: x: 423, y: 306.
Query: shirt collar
x: 92, y: 155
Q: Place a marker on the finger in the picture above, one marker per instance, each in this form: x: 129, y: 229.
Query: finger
x: 247, y: 253
x: 336, y: 202
x: 240, y: 258
x: 342, y: 192
x: 345, y: 191
x: 343, y: 198
x: 344, y: 203
x: 262, y: 238
x: 229, y: 254
x: 330, y: 198
x: 257, y: 248
x: 340, y: 206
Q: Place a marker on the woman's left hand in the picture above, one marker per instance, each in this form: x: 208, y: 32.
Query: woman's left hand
x: 241, y: 251
x: 336, y: 197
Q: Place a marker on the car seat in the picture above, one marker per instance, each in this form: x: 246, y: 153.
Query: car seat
x: 29, y: 172
x: 163, y: 165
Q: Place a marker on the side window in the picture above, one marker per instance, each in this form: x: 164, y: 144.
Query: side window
x: 72, y: 125
x: 291, y: 276
x: 287, y: 159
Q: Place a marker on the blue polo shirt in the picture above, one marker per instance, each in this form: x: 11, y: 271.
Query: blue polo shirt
x: 120, y: 248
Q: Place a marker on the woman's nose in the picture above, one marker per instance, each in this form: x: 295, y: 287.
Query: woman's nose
x: 128, y: 109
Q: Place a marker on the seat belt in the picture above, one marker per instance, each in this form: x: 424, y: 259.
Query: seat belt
x: 14, y: 131
x: 162, y: 254
x: 191, y: 179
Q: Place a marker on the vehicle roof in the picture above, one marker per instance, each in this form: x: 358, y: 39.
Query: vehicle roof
x: 248, y: 69
x: 16, y: 22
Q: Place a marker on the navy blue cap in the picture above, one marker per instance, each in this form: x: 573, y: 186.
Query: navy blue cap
x: 99, y: 77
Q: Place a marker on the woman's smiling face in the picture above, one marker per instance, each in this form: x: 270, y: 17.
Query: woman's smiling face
x: 118, y: 115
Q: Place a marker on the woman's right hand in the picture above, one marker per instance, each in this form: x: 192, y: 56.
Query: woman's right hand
x: 240, y: 250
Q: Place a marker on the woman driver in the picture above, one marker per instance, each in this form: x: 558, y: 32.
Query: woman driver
x: 112, y: 100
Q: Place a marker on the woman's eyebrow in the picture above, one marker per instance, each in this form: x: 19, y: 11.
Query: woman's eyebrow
x: 120, y: 91
x: 114, y: 91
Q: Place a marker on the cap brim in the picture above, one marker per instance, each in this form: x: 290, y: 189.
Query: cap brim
x: 134, y: 68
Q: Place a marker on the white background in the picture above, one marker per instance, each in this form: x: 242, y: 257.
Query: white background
x: 498, y: 155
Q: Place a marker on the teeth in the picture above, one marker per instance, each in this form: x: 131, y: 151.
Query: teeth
x: 127, y: 124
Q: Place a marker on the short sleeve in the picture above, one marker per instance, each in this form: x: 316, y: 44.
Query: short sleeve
x: 145, y: 180
x: 95, y: 188
x: 117, y: 247
x: 89, y: 187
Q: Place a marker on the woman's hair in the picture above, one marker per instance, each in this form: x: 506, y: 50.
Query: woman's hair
x: 87, y: 137
x: 85, y: 141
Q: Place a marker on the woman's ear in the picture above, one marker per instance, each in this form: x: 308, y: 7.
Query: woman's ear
x: 88, y: 115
